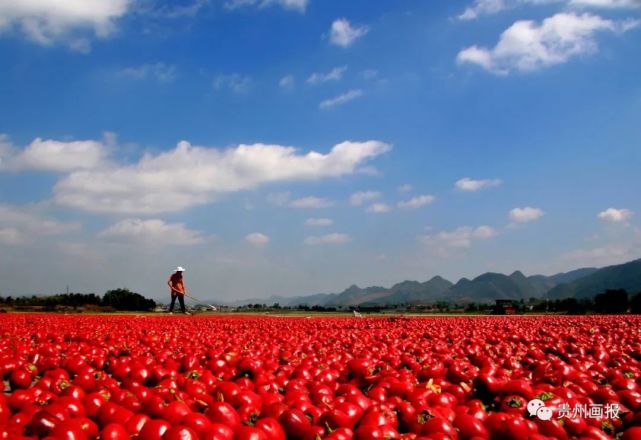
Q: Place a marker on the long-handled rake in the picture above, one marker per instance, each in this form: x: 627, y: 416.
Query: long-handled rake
x: 199, y: 301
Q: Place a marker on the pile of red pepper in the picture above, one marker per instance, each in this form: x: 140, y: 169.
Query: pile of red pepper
x: 271, y: 378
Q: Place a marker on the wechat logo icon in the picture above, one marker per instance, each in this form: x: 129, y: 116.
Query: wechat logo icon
x: 537, y: 408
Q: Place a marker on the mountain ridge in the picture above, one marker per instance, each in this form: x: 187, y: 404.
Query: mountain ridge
x: 484, y: 288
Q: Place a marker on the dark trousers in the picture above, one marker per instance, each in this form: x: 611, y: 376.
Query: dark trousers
x: 181, y: 299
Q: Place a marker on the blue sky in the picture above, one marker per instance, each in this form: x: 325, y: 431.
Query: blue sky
x: 299, y: 146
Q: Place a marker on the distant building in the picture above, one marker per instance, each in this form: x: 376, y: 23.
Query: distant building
x: 504, y: 307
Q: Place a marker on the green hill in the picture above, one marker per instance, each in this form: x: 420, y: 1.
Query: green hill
x: 622, y: 276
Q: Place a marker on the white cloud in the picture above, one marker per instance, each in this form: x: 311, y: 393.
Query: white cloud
x: 619, y: 246
x: 311, y: 202
x: 614, y: 215
x: 287, y: 82
x: 334, y: 238
x: 189, y: 175
x: 482, y: 7
x: 527, y: 46
x: 606, y: 4
x: 460, y: 238
x: 52, y: 155
x: 173, y: 11
x: 11, y: 236
x: 405, y: 188
x: 22, y: 223
x: 6, y: 148
x: 257, y: 239
x: 600, y: 256
x: 236, y: 83
x: 341, y: 99
x: 369, y: 74
x: 319, y: 222
x: 360, y: 197
x: 417, y: 202
x: 336, y: 74
x: 160, y: 72
x: 279, y: 199
x: 293, y: 5
x: 468, y: 184
x: 47, y: 22
x: 379, y: 208
x: 526, y: 214
x: 488, y: 7
x: 343, y: 34
x: 284, y: 199
x: 154, y: 232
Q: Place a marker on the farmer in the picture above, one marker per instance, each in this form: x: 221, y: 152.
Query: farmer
x: 177, y: 286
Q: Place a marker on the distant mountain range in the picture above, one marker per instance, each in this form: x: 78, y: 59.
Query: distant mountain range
x: 581, y: 283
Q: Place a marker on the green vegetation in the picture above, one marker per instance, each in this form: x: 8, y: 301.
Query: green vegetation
x: 124, y: 299
x: 118, y: 299
x: 613, y: 301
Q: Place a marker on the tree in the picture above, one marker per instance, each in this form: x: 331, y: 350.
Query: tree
x: 571, y: 306
x: 635, y: 304
x: 611, y: 301
x: 124, y: 299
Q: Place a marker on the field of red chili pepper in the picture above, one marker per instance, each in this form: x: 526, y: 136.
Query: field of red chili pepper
x: 147, y: 377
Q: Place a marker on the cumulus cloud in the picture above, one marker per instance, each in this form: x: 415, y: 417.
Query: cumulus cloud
x: 257, y: 239
x: 405, y: 188
x: 11, y: 236
x: 293, y: 5
x: 601, y: 256
x: 379, y: 208
x: 360, y: 197
x: 527, y: 46
x: 311, y: 202
x: 417, y: 202
x: 343, y: 34
x: 319, y: 222
x: 21, y: 223
x: 279, y: 199
x: 287, y: 82
x: 526, y: 214
x: 334, y: 238
x: 160, y: 72
x: 333, y: 75
x: 369, y: 74
x: 174, y: 10
x: 154, y: 232
x: 614, y: 215
x: 618, y: 246
x: 606, y: 4
x: 189, y: 175
x: 6, y: 148
x: 47, y: 22
x: 235, y: 82
x: 468, y: 184
x: 459, y: 238
x: 482, y: 7
x: 487, y: 7
x: 61, y: 156
x: 341, y: 99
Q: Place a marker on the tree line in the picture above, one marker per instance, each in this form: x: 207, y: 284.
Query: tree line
x: 612, y: 301
x: 116, y: 299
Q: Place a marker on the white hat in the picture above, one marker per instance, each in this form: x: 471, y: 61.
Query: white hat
x: 179, y: 269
